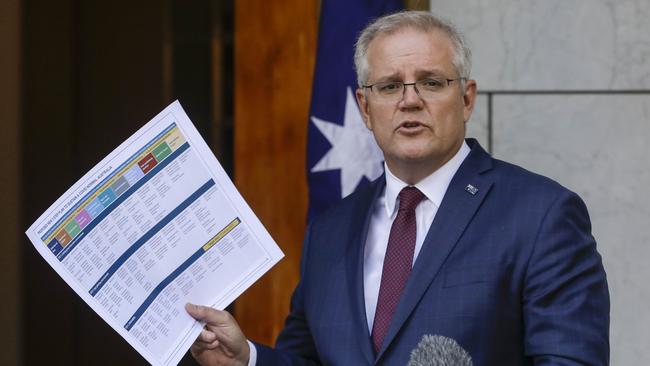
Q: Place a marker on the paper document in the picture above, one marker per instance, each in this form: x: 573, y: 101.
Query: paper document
x: 155, y: 225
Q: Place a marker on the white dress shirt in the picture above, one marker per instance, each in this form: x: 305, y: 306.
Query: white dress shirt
x: 384, y: 212
x: 433, y: 187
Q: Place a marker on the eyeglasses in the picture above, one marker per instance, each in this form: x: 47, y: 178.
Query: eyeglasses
x: 393, y: 91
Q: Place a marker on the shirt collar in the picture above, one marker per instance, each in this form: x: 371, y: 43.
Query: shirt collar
x: 433, y: 186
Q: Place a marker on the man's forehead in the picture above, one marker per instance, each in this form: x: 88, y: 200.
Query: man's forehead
x: 402, y: 43
x: 425, y: 53
x: 432, y: 36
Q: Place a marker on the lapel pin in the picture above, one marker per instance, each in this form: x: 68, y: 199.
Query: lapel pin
x: 471, y: 189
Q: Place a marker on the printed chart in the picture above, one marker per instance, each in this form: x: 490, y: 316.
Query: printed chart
x: 155, y: 225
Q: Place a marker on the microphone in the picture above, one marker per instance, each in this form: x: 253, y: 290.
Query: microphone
x: 435, y: 350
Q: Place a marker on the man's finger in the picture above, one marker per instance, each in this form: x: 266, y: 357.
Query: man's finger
x: 206, y: 340
x: 207, y: 336
x: 207, y: 314
x: 199, y: 345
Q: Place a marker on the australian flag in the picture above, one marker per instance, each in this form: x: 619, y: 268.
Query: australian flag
x: 341, y: 153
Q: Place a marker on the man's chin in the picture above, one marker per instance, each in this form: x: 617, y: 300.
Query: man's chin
x: 414, y: 158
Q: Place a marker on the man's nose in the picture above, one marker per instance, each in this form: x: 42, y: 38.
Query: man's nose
x: 410, y: 97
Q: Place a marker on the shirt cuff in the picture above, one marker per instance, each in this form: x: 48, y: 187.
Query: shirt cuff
x: 252, y: 358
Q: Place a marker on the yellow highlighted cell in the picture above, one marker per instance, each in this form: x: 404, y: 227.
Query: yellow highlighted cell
x: 175, y: 139
x: 221, y: 234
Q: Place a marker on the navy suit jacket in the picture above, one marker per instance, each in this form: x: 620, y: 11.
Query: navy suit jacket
x: 510, y: 272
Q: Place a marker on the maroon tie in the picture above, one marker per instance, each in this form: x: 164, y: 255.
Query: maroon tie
x: 397, y: 263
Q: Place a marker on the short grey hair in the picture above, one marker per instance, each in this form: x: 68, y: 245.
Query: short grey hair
x: 419, y: 20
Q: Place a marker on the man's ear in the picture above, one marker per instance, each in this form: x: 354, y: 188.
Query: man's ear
x: 468, y: 99
x: 363, y: 107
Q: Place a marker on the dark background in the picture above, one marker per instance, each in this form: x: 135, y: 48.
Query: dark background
x: 93, y: 73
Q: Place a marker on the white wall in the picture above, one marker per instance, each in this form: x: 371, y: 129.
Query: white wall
x: 565, y: 92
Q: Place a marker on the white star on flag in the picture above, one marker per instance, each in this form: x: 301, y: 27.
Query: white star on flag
x: 353, y: 150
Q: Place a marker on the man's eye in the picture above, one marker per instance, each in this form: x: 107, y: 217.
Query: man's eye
x: 389, y: 87
x: 431, y: 84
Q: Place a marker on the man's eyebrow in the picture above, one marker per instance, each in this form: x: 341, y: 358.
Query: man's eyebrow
x: 396, y: 76
x: 430, y: 73
x: 420, y: 74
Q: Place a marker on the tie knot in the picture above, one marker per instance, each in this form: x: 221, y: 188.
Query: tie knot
x: 409, y: 198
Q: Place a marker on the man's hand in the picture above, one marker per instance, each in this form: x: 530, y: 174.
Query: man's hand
x: 222, y: 342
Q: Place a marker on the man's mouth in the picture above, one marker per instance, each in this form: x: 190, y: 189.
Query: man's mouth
x: 410, y: 125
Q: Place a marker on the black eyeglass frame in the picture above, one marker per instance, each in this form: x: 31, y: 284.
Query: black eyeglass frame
x: 404, y: 85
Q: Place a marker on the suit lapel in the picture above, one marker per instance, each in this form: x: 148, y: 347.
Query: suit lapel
x: 454, y: 214
x: 360, y: 221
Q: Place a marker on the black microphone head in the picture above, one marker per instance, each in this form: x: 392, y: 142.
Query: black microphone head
x: 439, y: 351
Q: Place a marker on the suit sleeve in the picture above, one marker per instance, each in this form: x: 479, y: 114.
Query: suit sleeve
x: 294, y: 345
x: 566, y: 299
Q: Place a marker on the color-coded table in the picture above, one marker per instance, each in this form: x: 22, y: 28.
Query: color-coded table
x: 135, y: 170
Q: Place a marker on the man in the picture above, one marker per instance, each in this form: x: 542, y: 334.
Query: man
x: 449, y: 241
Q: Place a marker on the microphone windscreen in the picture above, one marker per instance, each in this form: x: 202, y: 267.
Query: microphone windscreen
x: 435, y: 350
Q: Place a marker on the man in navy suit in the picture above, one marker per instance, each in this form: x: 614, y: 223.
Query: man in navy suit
x: 449, y: 241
